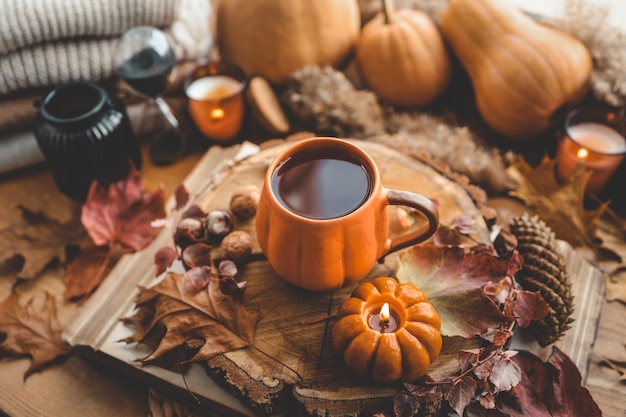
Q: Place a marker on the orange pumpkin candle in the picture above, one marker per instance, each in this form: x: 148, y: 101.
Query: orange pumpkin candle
x: 387, y: 331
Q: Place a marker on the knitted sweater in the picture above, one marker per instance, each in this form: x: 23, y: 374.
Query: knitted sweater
x: 47, y: 42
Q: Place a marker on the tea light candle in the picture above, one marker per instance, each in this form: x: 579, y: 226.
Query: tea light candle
x: 215, y: 100
x: 383, y: 321
x: 388, y: 331
x: 598, y: 146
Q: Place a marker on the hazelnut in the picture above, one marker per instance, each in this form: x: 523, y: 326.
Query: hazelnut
x: 237, y: 246
x: 219, y: 223
x: 244, y: 201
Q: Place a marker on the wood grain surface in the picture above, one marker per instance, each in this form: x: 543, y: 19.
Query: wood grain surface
x: 79, y: 387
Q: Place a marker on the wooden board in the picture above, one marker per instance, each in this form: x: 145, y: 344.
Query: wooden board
x: 294, y: 361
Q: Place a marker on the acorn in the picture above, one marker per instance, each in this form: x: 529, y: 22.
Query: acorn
x: 544, y: 271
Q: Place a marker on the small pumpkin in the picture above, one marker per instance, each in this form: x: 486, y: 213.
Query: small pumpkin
x: 525, y: 75
x: 402, y: 57
x: 402, y: 354
x: 275, y: 38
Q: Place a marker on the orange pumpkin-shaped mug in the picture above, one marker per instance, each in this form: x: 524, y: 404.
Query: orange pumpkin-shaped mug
x: 322, y: 219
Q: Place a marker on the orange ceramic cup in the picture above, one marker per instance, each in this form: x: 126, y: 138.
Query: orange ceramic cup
x: 215, y: 99
x: 322, y: 220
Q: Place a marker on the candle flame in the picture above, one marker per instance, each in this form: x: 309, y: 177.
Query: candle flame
x: 384, y: 313
x: 217, y: 114
x: 582, y: 153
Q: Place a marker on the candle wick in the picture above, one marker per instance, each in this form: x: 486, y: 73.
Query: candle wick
x: 384, y: 324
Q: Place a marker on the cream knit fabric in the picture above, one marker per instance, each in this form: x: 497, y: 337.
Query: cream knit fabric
x: 47, y: 42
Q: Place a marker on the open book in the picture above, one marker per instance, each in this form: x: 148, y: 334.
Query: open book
x: 97, y: 330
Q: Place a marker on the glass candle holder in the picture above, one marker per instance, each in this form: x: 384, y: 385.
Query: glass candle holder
x: 215, y: 99
x: 595, y: 138
x: 85, y: 134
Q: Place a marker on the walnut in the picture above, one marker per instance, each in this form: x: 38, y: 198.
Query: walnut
x: 237, y: 246
x: 245, y: 201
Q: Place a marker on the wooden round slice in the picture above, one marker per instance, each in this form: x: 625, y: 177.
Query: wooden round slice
x: 292, y: 359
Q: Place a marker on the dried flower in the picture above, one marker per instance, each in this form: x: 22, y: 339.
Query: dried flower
x: 325, y: 100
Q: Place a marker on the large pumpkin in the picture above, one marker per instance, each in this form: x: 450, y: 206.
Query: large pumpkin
x: 402, y: 57
x: 274, y: 38
x: 525, y: 74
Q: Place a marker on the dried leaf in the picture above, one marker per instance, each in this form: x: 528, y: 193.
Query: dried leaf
x: 199, y: 277
x: 404, y: 404
x: 182, y: 196
x: 547, y: 389
x: 25, y: 331
x: 561, y: 206
x: 460, y: 394
x: 529, y: 306
x: 505, y: 373
x: 453, y: 280
x: 164, y: 258
x: 122, y: 213
x: 38, y: 241
x: 198, y: 254
x: 87, y: 271
x: 172, y: 313
x: 468, y: 358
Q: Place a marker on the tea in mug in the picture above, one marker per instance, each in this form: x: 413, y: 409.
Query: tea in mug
x: 322, y: 186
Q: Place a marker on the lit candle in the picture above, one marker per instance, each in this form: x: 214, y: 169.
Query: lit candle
x: 215, y: 99
x: 595, y: 140
x: 383, y: 322
x: 388, y: 331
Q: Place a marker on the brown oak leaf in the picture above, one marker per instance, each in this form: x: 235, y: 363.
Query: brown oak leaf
x: 561, y: 206
x: 38, y: 241
x: 172, y: 314
x: 121, y: 214
x: 24, y: 331
x: 86, y: 272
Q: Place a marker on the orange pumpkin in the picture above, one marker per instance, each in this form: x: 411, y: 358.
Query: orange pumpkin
x: 402, y: 57
x: 403, y: 353
x: 274, y: 38
x: 526, y: 75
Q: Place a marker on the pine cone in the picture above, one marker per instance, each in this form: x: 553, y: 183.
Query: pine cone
x: 544, y: 271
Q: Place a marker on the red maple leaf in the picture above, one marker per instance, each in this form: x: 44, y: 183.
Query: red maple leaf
x: 121, y: 214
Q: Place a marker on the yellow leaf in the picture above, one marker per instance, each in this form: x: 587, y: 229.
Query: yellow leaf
x: 560, y: 206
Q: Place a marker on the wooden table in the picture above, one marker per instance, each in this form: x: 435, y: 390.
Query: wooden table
x: 78, y: 387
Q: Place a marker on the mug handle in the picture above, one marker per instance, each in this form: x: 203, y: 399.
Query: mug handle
x: 425, y: 206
